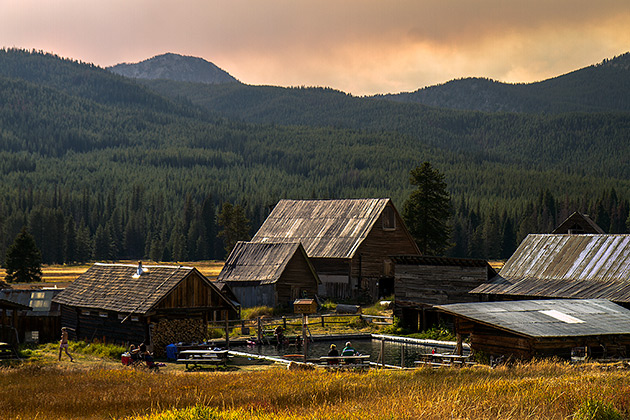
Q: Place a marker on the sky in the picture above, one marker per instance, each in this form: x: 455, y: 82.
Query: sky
x: 361, y: 47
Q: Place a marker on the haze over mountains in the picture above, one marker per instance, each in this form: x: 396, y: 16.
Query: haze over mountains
x: 141, y: 167
x: 598, y: 88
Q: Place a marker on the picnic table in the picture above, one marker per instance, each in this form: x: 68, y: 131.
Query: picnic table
x: 358, y: 361
x: 440, y: 360
x: 202, y: 357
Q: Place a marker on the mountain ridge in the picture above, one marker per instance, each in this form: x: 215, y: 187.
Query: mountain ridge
x: 175, y: 67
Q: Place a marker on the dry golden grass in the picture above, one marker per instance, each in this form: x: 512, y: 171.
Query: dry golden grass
x: 542, y: 390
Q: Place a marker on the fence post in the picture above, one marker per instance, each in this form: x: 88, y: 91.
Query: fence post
x: 323, y: 325
x: 259, y: 329
x: 227, y: 330
x: 284, y: 322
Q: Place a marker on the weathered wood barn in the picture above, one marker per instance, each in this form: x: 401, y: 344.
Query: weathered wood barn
x: 578, y: 223
x: 349, y: 242
x: 423, y: 282
x: 269, y: 274
x: 39, y: 320
x: 127, y: 303
x: 564, y: 266
x: 544, y: 328
x: 10, y: 316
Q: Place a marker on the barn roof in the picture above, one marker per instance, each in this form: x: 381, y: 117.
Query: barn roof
x: 567, y: 266
x: 117, y: 287
x: 38, y: 301
x: 326, y: 228
x: 548, y: 318
x: 260, y: 262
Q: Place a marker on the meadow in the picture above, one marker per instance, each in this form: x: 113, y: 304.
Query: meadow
x: 99, y: 388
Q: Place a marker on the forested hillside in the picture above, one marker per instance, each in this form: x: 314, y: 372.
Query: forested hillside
x: 100, y: 166
x: 603, y: 87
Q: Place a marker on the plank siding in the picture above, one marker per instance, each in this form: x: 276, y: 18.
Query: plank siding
x: 293, y: 282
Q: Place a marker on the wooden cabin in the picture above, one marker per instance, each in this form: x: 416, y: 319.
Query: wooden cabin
x: 159, y: 305
x: 40, y: 319
x: 543, y: 328
x: 564, y: 266
x: 269, y: 274
x: 11, y: 314
x: 423, y: 282
x: 349, y: 242
x: 578, y: 224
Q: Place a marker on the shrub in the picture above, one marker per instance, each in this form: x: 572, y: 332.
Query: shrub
x: 593, y: 409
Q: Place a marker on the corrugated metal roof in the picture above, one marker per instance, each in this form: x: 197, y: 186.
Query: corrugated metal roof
x: 261, y: 262
x: 115, y: 287
x: 326, y: 228
x: 579, y: 266
x: 548, y: 318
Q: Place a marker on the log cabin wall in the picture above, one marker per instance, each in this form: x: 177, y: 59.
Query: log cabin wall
x: 372, y: 259
x: 297, y: 281
x: 437, y: 285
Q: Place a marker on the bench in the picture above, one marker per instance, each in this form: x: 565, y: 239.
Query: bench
x: 202, y: 357
x: 346, y: 362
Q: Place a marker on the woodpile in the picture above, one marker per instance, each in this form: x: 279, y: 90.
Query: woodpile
x: 171, y: 331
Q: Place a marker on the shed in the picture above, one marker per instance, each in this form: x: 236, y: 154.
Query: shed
x: 125, y: 303
x: 543, y: 328
x: 423, y: 282
x: 565, y: 266
x: 349, y: 242
x: 10, y: 314
x: 269, y: 274
x: 39, y: 321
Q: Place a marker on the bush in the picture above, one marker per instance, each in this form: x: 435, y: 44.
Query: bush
x: 256, y: 311
x: 593, y: 409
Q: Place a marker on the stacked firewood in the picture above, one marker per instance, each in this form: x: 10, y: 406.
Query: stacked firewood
x: 171, y: 331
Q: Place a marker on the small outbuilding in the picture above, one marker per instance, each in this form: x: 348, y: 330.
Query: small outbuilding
x: 124, y: 303
x: 269, y: 274
x: 40, y: 319
x: 421, y: 282
x: 543, y: 328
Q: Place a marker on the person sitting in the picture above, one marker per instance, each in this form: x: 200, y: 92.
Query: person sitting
x: 279, y: 334
x: 348, y: 350
x: 333, y: 353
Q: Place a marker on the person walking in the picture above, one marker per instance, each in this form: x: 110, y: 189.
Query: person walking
x: 63, y: 343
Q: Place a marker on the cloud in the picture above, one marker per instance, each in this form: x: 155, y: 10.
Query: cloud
x: 360, y: 46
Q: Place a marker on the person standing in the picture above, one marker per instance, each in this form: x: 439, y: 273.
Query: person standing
x: 63, y: 343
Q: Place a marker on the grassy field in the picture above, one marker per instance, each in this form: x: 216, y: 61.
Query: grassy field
x: 97, y: 387
x: 61, y: 275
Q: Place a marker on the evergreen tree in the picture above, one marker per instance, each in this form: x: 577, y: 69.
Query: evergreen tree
x: 234, y: 224
x: 427, y: 210
x: 24, y: 259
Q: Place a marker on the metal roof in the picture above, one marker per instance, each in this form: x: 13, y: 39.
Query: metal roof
x: 262, y: 263
x: 548, y: 318
x: 326, y: 228
x: 568, y: 266
x: 117, y: 287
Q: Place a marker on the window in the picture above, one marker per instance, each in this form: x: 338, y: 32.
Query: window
x: 389, y: 218
x: 40, y: 301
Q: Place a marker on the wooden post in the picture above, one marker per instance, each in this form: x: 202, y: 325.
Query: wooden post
x: 459, y: 348
x: 402, y: 355
x: 227, y: 329
x: 304, y: 341
x: 284, y: 323
x: 382, y: 353
x: 323, y: 324
x: 259, y: 330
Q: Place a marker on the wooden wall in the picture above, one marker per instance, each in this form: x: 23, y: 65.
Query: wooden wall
x: 372, y: 258
x: 296, y: 279
x: 437, y: 284
x: 193, y: 292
